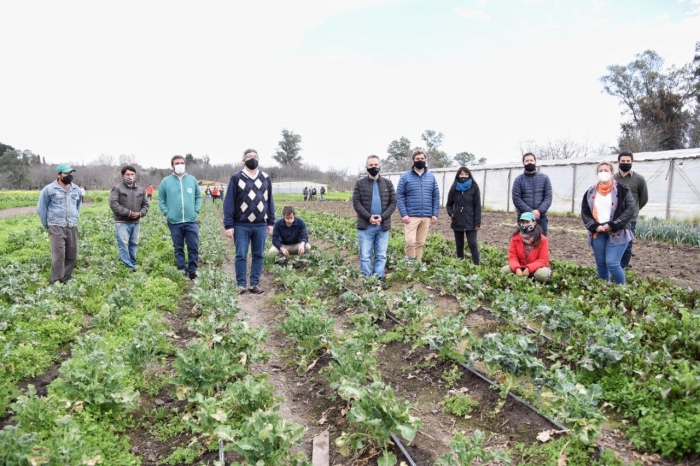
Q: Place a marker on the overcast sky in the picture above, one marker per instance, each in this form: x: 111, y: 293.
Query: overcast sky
x: 158, y: 78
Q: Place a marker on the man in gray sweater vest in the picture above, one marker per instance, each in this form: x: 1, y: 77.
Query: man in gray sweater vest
x: 638, y: 185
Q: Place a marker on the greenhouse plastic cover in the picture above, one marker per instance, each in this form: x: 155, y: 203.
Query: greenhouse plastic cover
x: 673, y: 181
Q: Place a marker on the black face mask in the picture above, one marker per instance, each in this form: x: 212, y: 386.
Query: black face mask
x: 374, y: 171
x: 68, y: 179
x: 419, y: 164
x: 530, y: 167
x: 462, y: 180
x: 252, y: 164
x: 625, y: 167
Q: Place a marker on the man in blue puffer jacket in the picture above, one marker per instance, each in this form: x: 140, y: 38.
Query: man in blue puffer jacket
x: 532, y: 192
x: 418, y: 199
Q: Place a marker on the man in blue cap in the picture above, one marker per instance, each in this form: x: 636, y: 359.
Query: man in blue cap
x: 59, y: 209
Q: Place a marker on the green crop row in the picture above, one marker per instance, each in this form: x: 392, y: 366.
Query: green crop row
x: 674, y: 232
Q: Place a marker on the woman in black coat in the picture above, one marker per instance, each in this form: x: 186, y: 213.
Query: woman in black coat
x: 464, y: 208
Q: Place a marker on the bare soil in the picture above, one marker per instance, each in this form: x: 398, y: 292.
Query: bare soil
x: 678, y: 263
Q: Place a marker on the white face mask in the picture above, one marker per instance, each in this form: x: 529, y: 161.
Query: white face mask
x: 179, y: 169
x: 604, y: 176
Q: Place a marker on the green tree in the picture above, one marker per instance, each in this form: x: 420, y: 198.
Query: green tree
x: 436, y: 158
x: 289, y: 147
x: 399, y: 150
x: 465, y: 159
x: 4, y: 148
x: 658, y: 101
x: 191, y: 159
x: 14, y: 164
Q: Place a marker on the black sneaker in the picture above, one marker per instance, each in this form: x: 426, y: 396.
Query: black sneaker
x: 192, y: 275
x: 384, y: 284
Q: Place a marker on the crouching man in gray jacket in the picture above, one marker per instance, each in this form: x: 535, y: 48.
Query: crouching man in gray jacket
x: 59, y: 209
x: 129, y: 203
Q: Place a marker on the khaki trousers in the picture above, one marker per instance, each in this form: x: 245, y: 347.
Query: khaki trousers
x: 416, y: 230
x: 292, y: 248
x: 64, y: 251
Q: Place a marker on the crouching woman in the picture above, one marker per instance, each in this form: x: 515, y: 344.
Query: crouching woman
x: 528, y: 253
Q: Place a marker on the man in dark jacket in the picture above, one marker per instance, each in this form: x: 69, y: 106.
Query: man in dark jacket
x: 638, y: 187
x: 532, y: 192
x: 289, y: 236
x: 374, y: 200
x: 129, y: 203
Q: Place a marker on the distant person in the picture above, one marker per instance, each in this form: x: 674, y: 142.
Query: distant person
x: 180, y: 200
x: 207, y: 193
x: 532, y: 192
x: 82, y: 193
x: 464, y: 208
x: 606, y: 210
x: 214, y: 194
x: 305, y: 192
x: 374, y: 200
x: 249, y: 217
x: 289, y: 237
x: 149, y: 192
x: 323, y: 192
x: 59, y: 209
x: 129, y: 203
x: 638, y: 186
x: 528, y: 253
x: 313, y: 194
x: 221, y: 193
x: 418, y: 199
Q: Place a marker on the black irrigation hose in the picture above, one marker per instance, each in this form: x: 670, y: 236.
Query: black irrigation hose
x: 405, y: 453
x: 495, y: 384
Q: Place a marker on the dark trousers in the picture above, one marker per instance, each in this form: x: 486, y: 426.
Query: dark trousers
x: 64, y: 251
x: 185, y: 233
x: 471, y: 242
x: 627, y: 255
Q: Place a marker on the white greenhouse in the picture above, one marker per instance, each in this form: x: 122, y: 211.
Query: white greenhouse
x: 673, y: 179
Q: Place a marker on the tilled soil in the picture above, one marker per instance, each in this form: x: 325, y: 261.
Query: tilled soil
x: 567, y: 242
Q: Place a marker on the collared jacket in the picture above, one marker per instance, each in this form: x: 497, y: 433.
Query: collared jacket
x: 638, y: 186
x: 123, y: 200
x: 532, y: 191
x: 179, y: 199
x: 293, y: 234
x: 58, y: 206
x: 465, y: 208
x: 621, y: 213
x: 418, y: 195
x: 518, y: 256
x: 362, y: 201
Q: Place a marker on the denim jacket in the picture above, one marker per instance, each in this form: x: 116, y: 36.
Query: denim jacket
x: 58, y: 206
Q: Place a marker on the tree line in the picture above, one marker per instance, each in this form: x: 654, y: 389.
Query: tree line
x: 661, y: 111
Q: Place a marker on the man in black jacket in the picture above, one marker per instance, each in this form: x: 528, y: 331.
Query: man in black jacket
x: 532, y: 192
x: 374, y: 200
x: 129, y: 203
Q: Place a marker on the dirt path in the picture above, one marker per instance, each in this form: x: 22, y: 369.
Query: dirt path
x: 567, y: 242
x: 14, y: 211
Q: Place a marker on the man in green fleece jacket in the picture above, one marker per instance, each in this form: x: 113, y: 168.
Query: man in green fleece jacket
x: 180, y: 200
x: 638, y: 185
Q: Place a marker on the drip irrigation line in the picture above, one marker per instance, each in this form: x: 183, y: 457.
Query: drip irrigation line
x: 403, y: 450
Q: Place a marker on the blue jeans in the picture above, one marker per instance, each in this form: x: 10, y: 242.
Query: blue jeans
x: 244, y: 235
x: 373, y: 240
x: 185, y: 233
x: 627, y: 256
x: 542, y: 222
x: 128, y: 242
x: 607, y: 258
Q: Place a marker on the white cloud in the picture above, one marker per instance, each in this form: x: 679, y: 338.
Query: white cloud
x: 471, y: 14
